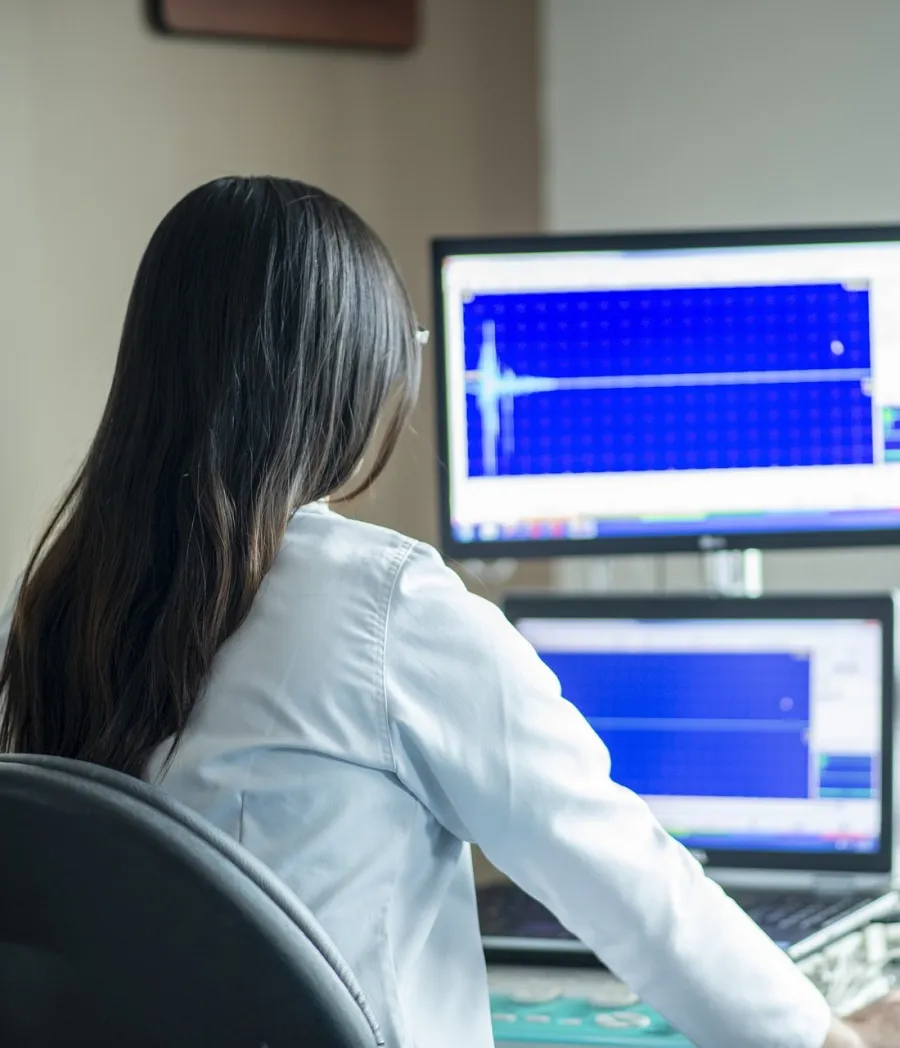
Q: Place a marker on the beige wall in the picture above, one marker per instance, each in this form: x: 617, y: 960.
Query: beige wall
x: 103, y: 126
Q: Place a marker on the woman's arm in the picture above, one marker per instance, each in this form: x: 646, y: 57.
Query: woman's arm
x: 482, y: 736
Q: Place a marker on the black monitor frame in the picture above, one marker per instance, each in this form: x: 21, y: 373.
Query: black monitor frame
x: 677, y: 543
x: 877, y: 607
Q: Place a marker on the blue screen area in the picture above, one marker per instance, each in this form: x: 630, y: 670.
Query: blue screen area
x: 846, y: 776
x: 697, y: 724
x: 667, y: 379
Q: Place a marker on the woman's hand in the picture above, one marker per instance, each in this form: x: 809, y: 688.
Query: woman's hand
x: 876, y: 1026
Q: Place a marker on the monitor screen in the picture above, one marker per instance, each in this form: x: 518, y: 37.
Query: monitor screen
x: 757, y: 735
x: 708, y: 393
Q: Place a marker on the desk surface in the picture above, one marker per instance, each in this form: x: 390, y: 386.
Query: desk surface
x: 565, y: 1007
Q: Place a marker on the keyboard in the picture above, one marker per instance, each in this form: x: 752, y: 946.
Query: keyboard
x: 504, y: 911
x: 786, y: 917
x: 789, y: 917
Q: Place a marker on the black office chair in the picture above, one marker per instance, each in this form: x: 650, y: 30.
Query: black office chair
x: 127, y: 921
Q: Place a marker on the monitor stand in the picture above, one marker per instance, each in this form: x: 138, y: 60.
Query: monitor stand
x: 581, y: 575
x: 734, y: 572
x: 723, y: 573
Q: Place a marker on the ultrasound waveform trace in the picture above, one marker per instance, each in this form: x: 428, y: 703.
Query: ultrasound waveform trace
x: 496, y: 386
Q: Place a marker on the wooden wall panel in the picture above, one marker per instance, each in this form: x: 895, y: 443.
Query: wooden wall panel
x: 385, y: 24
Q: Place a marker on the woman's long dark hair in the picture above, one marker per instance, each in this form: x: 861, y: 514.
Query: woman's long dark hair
x: 266, y: 332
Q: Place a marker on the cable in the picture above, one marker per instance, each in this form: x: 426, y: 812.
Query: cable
x: 858, y: 968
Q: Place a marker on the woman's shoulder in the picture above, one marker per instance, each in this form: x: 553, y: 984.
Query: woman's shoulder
x: 363, y: 568
x: 349, y: 562
x: 319, y: 535
x: 359, y: 568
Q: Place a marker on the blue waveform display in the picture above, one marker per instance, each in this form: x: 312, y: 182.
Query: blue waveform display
x: 662, y: 716
x: 678, y: 378
x: 495, y: 389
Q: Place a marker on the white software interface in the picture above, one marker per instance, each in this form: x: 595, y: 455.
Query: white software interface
x: 760, y: 735
x: 681, y: 391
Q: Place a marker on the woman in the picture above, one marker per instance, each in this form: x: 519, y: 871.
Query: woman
x: 327, y: 691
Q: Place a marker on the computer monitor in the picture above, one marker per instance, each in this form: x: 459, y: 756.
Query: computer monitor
x: 758, y: 731
x: 664, y: 393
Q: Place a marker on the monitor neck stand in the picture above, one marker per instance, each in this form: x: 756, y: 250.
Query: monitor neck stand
x: 734, y: 573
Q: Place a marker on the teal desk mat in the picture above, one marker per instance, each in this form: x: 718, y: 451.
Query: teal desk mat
x: 573, y: 1021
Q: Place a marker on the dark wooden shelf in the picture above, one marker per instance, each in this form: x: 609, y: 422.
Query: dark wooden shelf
x: 380, y: 24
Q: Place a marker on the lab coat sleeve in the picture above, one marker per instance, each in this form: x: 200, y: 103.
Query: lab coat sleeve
x: 482, y: 736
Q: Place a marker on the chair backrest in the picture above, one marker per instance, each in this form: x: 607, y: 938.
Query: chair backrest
x: 126, y: 920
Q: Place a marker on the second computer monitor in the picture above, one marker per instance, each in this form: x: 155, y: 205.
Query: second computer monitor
x: 758, y: 731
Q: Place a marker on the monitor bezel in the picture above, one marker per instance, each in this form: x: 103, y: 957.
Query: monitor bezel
x: 710, y: 540
x: 878, y: 607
